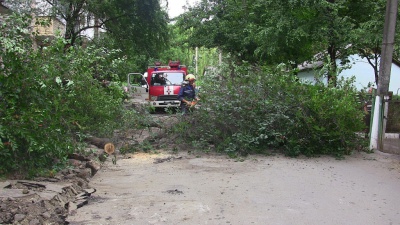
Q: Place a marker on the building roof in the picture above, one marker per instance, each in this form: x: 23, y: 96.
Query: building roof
x: 309, y: 65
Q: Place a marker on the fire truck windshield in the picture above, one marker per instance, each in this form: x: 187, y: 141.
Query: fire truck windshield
x: 171, y: 78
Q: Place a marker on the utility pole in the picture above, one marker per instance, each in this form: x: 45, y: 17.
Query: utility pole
x: 377, y: 131
x: 96, y: 28
x: 219, y: 57
x: 196, y: 58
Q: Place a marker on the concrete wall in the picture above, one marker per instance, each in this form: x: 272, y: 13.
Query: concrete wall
x: 55, y: 26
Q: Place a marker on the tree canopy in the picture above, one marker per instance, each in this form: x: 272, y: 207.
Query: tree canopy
x: 134, y: 24
x: 271, y: 32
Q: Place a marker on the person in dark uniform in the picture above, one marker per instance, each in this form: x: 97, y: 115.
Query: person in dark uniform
x: 187, y: 94
x: 161, y: 79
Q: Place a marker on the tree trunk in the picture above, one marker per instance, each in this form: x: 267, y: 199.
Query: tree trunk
x: 332, y: 81
x: 98, y: 142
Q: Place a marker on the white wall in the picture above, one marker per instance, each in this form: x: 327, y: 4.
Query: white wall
x: 363, y: 72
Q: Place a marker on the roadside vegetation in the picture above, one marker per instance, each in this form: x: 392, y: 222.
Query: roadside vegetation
x: 54, y: 97
x: 264, y: 110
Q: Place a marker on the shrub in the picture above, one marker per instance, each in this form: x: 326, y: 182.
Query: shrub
x: 252, y: 110
x: 50, y: 99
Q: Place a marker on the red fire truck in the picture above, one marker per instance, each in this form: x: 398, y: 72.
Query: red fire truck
x: 163, y: 83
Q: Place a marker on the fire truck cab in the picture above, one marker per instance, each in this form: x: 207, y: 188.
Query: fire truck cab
x: 162, y: 84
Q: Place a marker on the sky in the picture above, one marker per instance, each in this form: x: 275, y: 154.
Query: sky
x: 175, y: 7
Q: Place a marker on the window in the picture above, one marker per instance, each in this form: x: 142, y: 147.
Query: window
x: 166, y: 78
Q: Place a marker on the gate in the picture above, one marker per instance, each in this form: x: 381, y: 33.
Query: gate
x: 391, y: 142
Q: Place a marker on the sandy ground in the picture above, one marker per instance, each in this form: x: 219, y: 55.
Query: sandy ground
x: 202, y: 189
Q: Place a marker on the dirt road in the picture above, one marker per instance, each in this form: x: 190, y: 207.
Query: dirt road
x: 200, y: 189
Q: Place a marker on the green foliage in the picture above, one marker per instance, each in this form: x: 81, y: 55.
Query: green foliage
x: 326, y: 121
x: 138, y: 28
x: 250, y: 110
x: 51, y: 99
x: 180, y: 49
x: 367, y: 36
x: 271, y: 32
x: 128, y: 148
x: 220, y: 24
x: 145, y: 146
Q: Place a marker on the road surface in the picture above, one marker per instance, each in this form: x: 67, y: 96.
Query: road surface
x: 208, y: 189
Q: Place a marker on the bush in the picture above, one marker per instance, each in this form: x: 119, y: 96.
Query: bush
x: 255, y: 111
x: 50, y: 99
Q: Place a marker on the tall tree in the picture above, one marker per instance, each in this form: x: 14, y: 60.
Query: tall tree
x: 281, y: 31
x: 335, y: 25
x: 133, y: 23
x: 367, y: 37
x: 254, y: 30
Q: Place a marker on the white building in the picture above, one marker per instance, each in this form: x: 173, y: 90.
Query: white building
x: 360, y: 69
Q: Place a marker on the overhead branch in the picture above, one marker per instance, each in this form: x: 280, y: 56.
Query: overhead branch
x: 56, y: 10
x: 101, y: 24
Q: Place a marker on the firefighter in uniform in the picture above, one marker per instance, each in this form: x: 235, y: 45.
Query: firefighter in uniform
x: 187, y: 94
